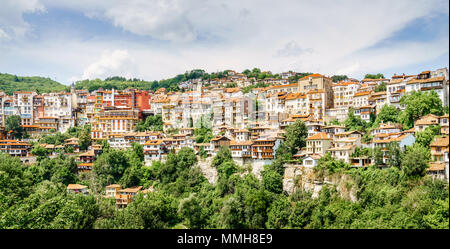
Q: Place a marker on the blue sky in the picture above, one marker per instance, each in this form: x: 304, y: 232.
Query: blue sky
x: 71, y: 40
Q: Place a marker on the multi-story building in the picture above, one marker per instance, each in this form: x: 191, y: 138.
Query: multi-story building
x: 439, y: 157
x: 23, y: 102
x: 319, y: 90
x: 318, y: 143
x: 59, y: 105
x: 114, y: 121
x: 126, y: 196
x: 15, y: 148
x: 425, y: 122
x: 425, y: 83
x: 361, y: 99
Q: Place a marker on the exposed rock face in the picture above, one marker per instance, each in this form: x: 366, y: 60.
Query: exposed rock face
x: 299, y: 177
x: 208, y: 171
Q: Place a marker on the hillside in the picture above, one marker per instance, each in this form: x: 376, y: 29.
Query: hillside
x: 10, y: 83
x: 172, y: 84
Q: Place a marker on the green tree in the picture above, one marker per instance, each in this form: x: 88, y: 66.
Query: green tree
x: 394, y: 154
x: 381, y: 87
x: 419, y: 104
x: 273, y: 181
x: 337, y: 78
x: 13, y: 123
x: 223, y: 155
x: 296, y: 136
x: 354, y: 123
x: 278, y: 213
x: 415, y: 161
x: 40, y: 152
x: 378, y: 156
x: 374, y: 76
x: 85, y: 138
x: 424, y: 138
x: 388, y: 113
x: 192, y: 211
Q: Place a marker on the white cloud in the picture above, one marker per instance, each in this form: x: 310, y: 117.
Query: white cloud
x: 11, y: 20
x: 329, y: 36
x: 111, y: 63
x: 4, y: 35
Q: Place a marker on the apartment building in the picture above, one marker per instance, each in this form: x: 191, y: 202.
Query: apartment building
x: 15, y: 148
x: 425, y: 83
x: 318, y: 144
x: 114, y: 121
x: 439, y: 157
x: 425, y: 122
x: 23, y: 102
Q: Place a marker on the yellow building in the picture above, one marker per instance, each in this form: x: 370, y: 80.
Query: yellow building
x: 114, y: 121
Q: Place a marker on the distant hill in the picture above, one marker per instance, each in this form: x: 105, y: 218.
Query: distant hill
x: 10, y: 83
x: 170, y: 84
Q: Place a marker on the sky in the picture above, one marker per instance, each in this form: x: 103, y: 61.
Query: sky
x: 70, y: 40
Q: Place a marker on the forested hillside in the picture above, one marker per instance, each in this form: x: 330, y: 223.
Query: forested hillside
x: 10, y: 83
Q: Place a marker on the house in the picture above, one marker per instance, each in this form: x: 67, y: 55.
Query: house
x: 333, y: 129
x: 153, y: 150
x: 15, y: 148
x: 318, y: 143
x: 77, y: 188
x: 426, y: 83
x: 241, y: 150
x: 364, y: 112
x: 361, y: 99
x: 311, y: 161
x: 425, y: 122
x: 387, y: 128
x: 437, y: 148
x: 241, y: 134
x: 111, y: 190
x: 264, y: 149
x: 126, y: 196
x: 87, y: 161
x: 383, y: 140
x: 207, y: 147
x: 220, y: 141
x: 343, y: 147
x: 72, y: 142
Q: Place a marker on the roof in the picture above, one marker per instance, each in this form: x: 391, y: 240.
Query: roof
x: 319, y: 136
x: 233, y: 142
x: 76, y: 186
x: 131, y: 190
x: 435, y: 79
x: 436, y: 166
x: 362, y: 93
x: 429, y: 119
x: 153, y: 142
x: 113, y: 186
x: 88, y: 153
x: 316, y: 75
x: 439, y: 142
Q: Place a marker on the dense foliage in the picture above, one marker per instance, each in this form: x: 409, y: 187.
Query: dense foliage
x: 397, y: 197
x: 337, y: 78
x: 152, y: 123
x: 374, y: 76
x: 10, y: 83
x: 419, y: 104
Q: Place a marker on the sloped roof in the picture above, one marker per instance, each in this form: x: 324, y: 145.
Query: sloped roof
x: 319, y: 136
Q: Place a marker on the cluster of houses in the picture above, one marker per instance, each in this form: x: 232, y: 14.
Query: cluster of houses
x: 251, y: 123
x: 123, y: 196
